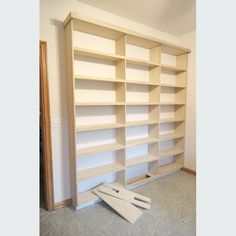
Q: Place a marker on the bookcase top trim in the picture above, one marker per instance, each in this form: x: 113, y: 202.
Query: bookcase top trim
x: 78, y: 16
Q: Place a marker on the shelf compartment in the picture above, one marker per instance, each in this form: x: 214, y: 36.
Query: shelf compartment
x: 99, y: 149
x: 140, y: 141
x: 97, y: 54
x: 139, y: 160
x: 99, y: 126
x: 95, y: 78
x: 166, y: 137
x: 172, y: 68
x: 170, y: 168
x: 98, y: 171
x: 171, y: 152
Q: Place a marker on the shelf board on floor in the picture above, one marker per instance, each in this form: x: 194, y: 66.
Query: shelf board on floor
x: 98, y: 171
x: 99, y: 103
x: 138, y: 160
x: 140, y: 62
x: 170, y: 152
x: 97, y: 78
x: 99, y: 126
x: 172, y: 85
x: 97, y: 54
x: 165, y: 137
x: 140, y: 141
x: 141, y: 82
x: 86, y: 197
x: 99, y: 148
x: 170, y: 120
x: 172, y: 68
x: 141, y: 122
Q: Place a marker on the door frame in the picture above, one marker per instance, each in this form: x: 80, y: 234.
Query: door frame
x: 45, y: 121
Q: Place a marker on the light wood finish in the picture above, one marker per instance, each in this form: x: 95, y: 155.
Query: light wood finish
x: 100, y: 148
x: 121, y: 193
x: 124, y: 208
x: 120, y: 63
x: 96, y: 54
x: 99, y: 126
x: 71, y: 110
x: 45, y: 123
x: 98, y: 171
x: 140, y: 141
x: 140, y: 160
x: 190, y: 171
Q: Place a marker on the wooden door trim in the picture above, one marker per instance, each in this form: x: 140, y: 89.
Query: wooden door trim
x: 46, y: 128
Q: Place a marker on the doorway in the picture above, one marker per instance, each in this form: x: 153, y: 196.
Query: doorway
x: 46, y: 175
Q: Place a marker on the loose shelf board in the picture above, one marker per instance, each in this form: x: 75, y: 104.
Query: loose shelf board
x: 120, y: 59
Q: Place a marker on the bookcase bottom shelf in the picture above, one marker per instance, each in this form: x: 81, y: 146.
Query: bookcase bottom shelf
x: 87, y: 198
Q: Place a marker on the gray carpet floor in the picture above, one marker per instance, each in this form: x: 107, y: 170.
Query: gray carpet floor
x: 172, y: 213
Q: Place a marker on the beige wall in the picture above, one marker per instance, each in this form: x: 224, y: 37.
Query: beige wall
x: 52, y: 15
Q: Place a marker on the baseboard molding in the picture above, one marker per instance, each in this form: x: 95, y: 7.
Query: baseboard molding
x: 190, y: 171
x: 62, y: 204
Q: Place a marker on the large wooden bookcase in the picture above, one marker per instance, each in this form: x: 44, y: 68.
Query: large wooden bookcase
x: 126, y: 106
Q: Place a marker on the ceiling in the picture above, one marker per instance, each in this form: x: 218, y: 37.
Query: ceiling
x: 175, y: 17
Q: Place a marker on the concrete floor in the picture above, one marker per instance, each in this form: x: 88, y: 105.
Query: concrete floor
x: 172, y: 213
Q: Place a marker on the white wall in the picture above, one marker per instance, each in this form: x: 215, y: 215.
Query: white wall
x: 52, y: 15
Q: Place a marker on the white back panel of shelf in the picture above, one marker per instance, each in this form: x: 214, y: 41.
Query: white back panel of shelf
x: 94, y: 138
x: 135, y: 132
x: 136, y: 171
x: 137, y: 93
x: 95, y: 115
x: 137, y: 52
x: 167, y: 94
x: 168, y: 77
x: 136, y: 151
x: 89, y: 66
x: 168, y: 59
x: 95, y: 160
x: 94, y: 91
x: 137, y: 72
x: 137, y: 113
x: 93, y: 42
x: 93, y: 182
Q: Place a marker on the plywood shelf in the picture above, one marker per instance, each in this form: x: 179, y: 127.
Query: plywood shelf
x: 139, y: 160
x: 170, y: 120
x: 140, y: 141
x: 97, y: 54
x: 171, y: 152
x: 141, y: 82
x: 99, y: 103
x: 97, y: 78
x: 141, y: 122
x: 99, y: 126
x: 165, y: 137
x: 98, y: 171
x: 172, y: 85
x: 172, y: 68
x: 99, y: 148
x: 140, y: 62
